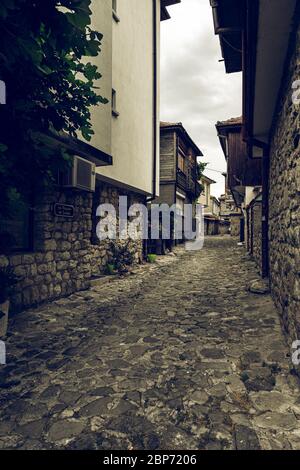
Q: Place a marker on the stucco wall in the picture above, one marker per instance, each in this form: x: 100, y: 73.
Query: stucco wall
x: 101, y: 115
x: 204, y: 199
x: 132, y: 78
x: 284, y: 199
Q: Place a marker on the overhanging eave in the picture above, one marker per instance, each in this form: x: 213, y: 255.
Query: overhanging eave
x: 275, y: 25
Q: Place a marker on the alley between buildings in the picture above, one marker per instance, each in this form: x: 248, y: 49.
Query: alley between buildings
x: 178, y: 355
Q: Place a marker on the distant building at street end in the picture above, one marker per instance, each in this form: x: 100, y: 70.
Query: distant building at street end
x: 178, y: 175
x: 243, y: 173
x: 206, y: 183
x: 212, y: 217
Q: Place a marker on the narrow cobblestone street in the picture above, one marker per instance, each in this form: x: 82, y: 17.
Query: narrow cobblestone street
x: 178, y: 355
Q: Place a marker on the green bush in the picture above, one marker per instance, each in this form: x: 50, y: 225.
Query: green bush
x: 110, y: 269
x: 151, y: 258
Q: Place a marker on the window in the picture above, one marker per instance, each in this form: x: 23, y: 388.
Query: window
x: 179, y: 205
x: 114, y: 103
x: 181, y: 162
x: 226, y: 148
x: 115, y: 10
x: 207, y: 194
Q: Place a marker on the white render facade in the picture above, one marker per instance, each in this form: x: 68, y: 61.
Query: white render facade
x: 128, y: 128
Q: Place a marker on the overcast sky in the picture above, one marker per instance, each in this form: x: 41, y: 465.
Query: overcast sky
x: 195, y: 89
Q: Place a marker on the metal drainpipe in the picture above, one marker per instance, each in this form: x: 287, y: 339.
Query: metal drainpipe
x: 154, y: 157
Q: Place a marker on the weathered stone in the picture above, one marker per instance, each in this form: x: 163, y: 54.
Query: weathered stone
x: 199, y: 397
x: 213, y: 353
x: 102, y: 391
x: 218, y: 390
x: 273, y: 420
x: 69, y: 397
x: 28, y: 259
x: 50, y: 392
x: 4, y: 261
x: 259, y: 379
x: 271, y: 401
x: 95, y: 408
x: 65, y: 429
x: 103, y: 387
x: 246, y: 438
x: 15, y: 260
x: 33, y: 429
x: 259, y: 287
x: 251, y: 357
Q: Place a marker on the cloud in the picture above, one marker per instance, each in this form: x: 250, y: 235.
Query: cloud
x: 195, y: 89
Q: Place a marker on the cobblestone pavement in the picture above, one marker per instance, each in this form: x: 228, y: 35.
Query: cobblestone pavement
x: 179, y: 355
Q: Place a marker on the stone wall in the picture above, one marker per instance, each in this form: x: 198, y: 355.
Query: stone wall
x: 211, y: 226
x: 66, y: 252
x: 284, y: 197
x: 235, y: 225
x: 256, y: 233
x: 224, y: 227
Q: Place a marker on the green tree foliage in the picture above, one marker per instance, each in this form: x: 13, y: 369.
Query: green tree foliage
x: 200, y: 170
x: 50, y: 87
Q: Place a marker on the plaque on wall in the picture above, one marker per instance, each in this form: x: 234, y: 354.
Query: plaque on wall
x: 64, y: 210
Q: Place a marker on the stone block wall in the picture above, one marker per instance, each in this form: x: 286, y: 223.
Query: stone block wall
x: 211, y: 227
x: 284, y: 199
x: 256, y: 233
x: 235, y: 225
x: 66, y: 252
x: 224, y: 228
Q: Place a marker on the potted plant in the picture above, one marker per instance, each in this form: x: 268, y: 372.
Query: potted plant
x: 7, y: 282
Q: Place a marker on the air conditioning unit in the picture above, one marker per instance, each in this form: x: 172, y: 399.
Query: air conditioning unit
x: 81, y: 176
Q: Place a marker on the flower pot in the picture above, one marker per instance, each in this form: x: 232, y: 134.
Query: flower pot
x: 4, y: 308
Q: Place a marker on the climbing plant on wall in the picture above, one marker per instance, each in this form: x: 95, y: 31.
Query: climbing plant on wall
x: 200, y: 170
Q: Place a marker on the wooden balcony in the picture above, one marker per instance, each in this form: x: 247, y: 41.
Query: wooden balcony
x: 181, y: 180
x: 189, y: 184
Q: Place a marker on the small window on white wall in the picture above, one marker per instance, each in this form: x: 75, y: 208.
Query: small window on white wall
x: 226, y: 148
x: 180, y: 206
x: 114, y: 103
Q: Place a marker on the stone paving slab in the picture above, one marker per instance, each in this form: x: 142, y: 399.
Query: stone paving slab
x: 178, y: 355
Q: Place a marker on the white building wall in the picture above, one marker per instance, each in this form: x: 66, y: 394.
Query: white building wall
x: 250, y: 193
x: 204, y: 199
x: 101, y: 115
x: 130, y: 135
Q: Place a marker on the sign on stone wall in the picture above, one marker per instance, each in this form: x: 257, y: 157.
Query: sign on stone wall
x: 64, y: 210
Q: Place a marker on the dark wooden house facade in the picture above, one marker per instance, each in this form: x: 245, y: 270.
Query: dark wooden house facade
x: 178, y: 171
x: 242, y: 170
